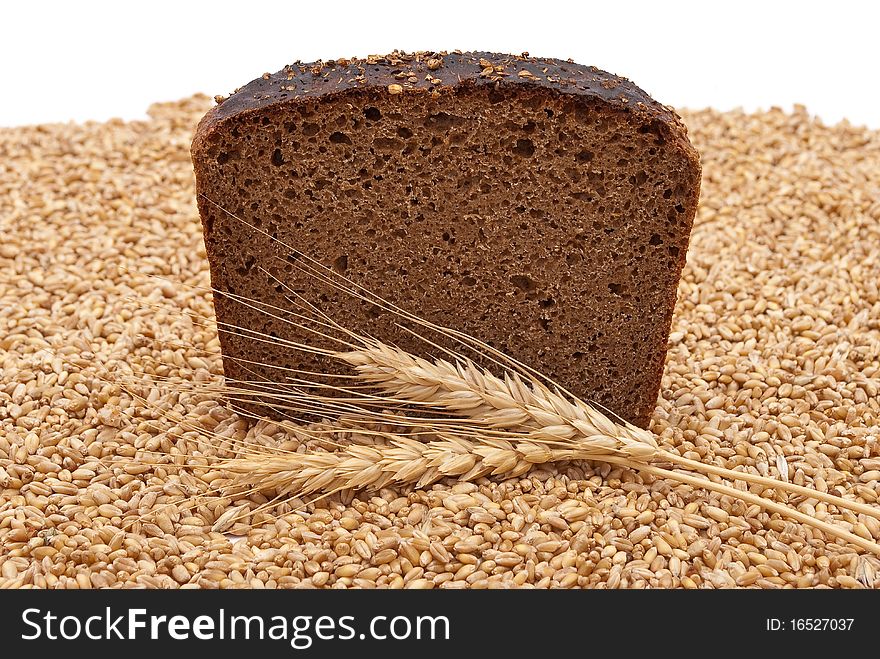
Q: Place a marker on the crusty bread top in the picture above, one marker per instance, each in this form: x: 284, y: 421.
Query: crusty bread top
x: 439, y: 73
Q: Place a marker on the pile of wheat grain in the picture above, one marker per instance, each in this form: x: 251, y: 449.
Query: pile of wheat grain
x: 774, y: 366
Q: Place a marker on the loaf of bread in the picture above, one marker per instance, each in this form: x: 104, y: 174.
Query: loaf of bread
x: 542, y: 206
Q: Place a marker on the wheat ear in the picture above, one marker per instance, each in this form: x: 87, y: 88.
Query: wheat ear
x: 406, y: 461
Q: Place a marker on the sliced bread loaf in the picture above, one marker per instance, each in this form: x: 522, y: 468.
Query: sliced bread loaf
x: 542, y: 206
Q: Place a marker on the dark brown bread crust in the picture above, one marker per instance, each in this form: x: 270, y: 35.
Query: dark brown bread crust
x: 416, y: 71
x: 612, y: 352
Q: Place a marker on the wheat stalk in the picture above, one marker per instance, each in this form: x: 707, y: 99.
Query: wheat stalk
x: 403, y: 460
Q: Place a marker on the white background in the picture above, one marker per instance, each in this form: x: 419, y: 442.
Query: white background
x: 95, y: 60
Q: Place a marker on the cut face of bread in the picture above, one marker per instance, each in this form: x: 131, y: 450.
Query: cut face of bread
x: 546, y: 213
